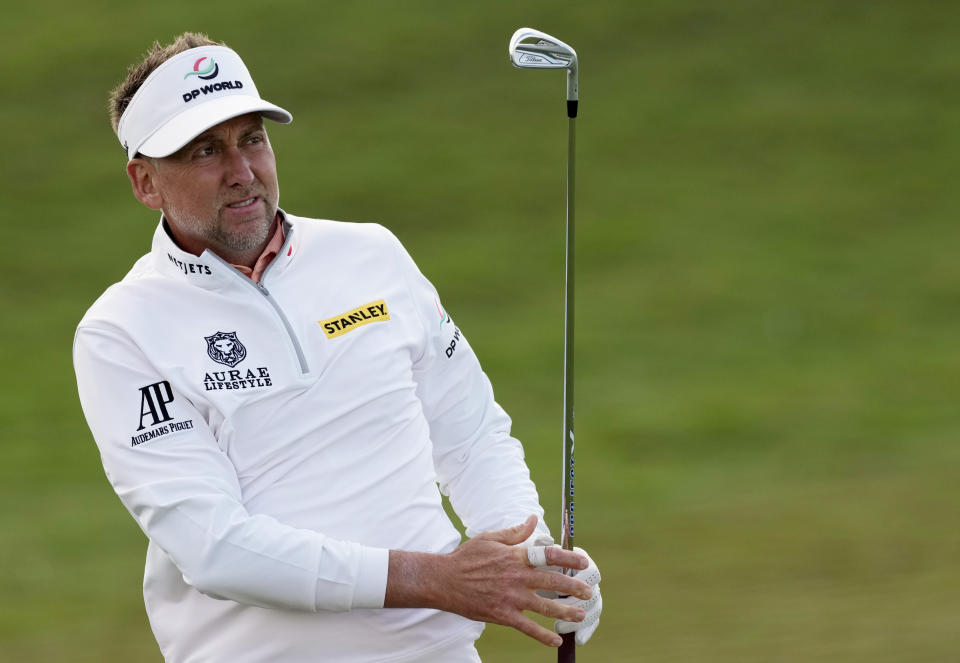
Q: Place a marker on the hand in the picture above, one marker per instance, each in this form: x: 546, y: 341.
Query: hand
x: 489, y: 579
x: 536, y: 547
x: 592, y: 607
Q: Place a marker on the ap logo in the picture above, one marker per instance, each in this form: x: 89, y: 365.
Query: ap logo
x: 225, y: 348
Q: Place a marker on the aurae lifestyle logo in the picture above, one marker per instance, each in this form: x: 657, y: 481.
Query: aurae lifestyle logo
x: 225, y: 348
x: 237, y: 379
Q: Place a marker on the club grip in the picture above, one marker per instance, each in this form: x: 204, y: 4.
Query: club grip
x: 568, y: 650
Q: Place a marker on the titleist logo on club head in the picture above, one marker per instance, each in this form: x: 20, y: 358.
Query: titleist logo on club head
x: 528, y: 58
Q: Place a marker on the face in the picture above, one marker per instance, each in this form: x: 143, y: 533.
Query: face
x: 218, y: 192
x: 224, y: 345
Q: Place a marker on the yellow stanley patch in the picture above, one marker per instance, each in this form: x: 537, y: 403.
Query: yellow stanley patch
x: 362, y: 315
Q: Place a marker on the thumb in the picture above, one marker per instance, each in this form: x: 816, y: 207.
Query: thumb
x: 512, y: 535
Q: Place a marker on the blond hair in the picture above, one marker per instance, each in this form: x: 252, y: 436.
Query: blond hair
x: 121, y: 95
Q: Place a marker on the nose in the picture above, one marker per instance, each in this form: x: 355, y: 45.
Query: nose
x: 237, y: 167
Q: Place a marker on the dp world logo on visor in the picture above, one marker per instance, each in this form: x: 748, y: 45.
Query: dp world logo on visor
x: 206, y: 72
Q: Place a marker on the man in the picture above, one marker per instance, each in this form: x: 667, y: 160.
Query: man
x: 275, y: 400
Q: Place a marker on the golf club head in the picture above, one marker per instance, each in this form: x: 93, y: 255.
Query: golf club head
x: 532, y: 49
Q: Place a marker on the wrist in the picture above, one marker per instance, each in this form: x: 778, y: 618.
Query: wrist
x: 413, y: 579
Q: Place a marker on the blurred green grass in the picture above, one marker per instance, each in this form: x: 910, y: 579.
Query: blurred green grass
x: 767, y: 313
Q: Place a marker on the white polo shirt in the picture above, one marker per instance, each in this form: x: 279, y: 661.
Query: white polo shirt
x: 275, y: 440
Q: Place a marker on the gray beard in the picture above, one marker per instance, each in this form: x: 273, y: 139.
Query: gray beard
x: 243, y: 241
x: 233, y: 242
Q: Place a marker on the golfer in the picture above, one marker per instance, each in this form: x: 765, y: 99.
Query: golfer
x: 276, y: 400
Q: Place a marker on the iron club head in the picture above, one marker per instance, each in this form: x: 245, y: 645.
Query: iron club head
x: 532, y: 49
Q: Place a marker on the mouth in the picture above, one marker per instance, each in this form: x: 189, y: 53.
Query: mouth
x: 243, y: 204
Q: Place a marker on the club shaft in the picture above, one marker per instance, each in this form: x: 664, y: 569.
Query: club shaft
x: 567, y: 651
x: 568, y: 348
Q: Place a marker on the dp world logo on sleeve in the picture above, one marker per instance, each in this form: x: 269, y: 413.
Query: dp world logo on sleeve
x: 207, y: 71
x: 225, y: 348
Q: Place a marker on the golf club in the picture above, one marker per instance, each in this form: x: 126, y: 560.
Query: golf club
x: 532, y: 49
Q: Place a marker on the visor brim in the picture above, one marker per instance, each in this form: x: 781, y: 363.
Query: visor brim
x: 185, y: 126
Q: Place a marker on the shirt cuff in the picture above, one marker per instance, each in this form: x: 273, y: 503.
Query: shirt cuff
x: 371, y: 587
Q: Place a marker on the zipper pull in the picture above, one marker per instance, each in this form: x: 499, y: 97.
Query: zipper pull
x: 263, y: 289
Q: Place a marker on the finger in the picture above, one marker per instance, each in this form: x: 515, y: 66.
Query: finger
x: 584, y: 634
x: 568, y: 559
x: 512, y: 535
x: 592, y: 607
x: 589, y: 621
x: 591, y: 574
x: 557, y: 609
x: 562, y: 584
x: 585, y: 628
x: 529, y: 627
x: 537, y: 556
x: 589, y: 605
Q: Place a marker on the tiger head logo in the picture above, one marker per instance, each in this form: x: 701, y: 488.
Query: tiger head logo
x: 225, y: 348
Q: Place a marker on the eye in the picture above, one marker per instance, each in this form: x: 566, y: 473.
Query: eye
x: 203, y: 151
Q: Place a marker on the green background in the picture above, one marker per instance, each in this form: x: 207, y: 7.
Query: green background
x: 768, y: 295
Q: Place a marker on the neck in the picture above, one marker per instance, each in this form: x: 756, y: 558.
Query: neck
x: 197, y: 245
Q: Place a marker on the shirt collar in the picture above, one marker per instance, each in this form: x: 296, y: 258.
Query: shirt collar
x: 270, y: 252
x: 208, y: 270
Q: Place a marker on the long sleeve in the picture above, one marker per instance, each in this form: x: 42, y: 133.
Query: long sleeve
x: 164, y: 463
x: 480, y: 466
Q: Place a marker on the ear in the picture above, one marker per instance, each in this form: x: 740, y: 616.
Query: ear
x: 143, y: 177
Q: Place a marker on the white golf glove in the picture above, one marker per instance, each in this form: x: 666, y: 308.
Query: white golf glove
x: 590, y: 575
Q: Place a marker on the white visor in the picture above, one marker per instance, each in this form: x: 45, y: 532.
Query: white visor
x: 186, y: 95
